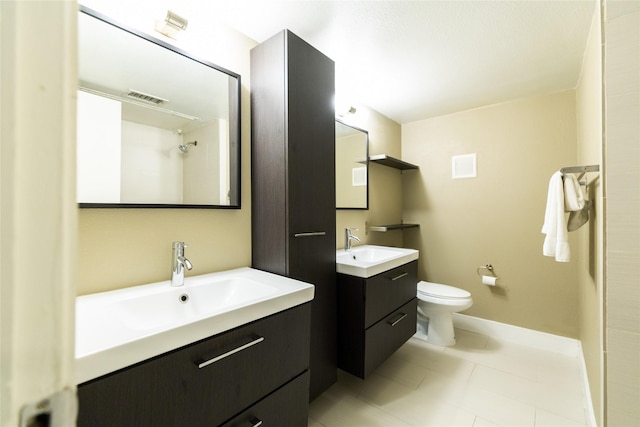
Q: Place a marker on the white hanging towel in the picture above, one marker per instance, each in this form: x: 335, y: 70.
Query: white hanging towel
x: 556, y: 242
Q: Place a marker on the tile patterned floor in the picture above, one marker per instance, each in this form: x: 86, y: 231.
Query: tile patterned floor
x: 481, y: 382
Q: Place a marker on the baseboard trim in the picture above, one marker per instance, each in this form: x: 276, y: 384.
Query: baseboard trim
x: 516, y: 334
x: 591, y: 415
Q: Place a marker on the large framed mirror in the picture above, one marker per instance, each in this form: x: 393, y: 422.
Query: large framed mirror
x: 352, y: 167
x: 157, y: 127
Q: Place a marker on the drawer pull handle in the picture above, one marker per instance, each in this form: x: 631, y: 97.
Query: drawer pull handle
x: 255, y: 422
x: 395, y: 322
x: 230, y: 352
x: 399, y: 276
x: 310, y: 234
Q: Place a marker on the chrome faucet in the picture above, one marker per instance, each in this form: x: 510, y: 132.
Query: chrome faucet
x: 348, y: 237
x: 178, y: 264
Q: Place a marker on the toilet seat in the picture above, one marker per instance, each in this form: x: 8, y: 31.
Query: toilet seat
x: 437, y: 290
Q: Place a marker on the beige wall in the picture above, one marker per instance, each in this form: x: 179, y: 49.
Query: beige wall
x: 495, y: 218
x: 385, y: 184
x: 126, y: 247
x: 622, y: 192
x: 590, y: 237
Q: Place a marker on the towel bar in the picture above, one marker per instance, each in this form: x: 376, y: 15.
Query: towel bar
x: 581, y: 170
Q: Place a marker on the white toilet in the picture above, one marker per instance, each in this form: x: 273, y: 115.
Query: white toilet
x: 436, y: 302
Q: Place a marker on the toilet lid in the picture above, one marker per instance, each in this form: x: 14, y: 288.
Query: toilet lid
x: 441, y: 291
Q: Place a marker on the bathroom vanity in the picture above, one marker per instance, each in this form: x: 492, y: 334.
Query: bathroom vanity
x: 229, y: 348
x: 257, y: 372
x: 376, y: 313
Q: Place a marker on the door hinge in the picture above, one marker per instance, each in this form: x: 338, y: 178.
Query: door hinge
x: 57, y: 410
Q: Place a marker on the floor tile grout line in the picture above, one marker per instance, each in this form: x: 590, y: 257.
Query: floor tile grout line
x: 379, y: 408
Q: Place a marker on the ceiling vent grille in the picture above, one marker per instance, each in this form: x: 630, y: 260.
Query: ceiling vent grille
x: 141, y: 96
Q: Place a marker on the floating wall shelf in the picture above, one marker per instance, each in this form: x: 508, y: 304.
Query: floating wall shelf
x: 390, y: 227
x: 392, y: 162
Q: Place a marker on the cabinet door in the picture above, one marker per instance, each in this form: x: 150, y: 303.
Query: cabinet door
x: 312, y: 199
x: 287, y: 406
x: 312, y: 262
x: 311, y: 138
x: 389, y: 290
x: 386, y: 336
x: 182, y: 388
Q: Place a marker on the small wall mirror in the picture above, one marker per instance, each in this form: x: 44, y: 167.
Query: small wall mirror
x: 156, y: 126
x: 352, y: 167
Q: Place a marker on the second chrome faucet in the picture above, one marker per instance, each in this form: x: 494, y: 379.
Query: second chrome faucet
x: 178, y: 263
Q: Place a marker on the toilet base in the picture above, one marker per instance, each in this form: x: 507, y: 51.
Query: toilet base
x: 422, y: 325
x: 438, y: 328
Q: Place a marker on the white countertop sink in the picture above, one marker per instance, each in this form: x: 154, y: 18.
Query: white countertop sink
x: 369, y: 260
x: 119, y: 328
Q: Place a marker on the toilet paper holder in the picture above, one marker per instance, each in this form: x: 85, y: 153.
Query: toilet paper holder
x: 489, y: 268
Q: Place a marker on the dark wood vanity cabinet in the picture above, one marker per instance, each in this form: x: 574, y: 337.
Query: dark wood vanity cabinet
x: 376, y: 316
x: 293, y: 181
x: 209, y: 384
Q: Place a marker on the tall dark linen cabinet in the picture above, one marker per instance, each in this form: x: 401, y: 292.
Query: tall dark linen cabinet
x: 293, y: 182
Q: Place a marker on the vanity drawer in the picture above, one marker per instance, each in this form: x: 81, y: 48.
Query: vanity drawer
x: 386, y: 336
x: 203, y: 384
x: 287, y: 406
x: 389, y: 290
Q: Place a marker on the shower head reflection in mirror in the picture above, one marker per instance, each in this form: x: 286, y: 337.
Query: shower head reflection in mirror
x: 185, y: 147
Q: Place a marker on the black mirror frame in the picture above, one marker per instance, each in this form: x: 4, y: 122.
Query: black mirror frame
x: 234, y: 123
x: 367, y: 164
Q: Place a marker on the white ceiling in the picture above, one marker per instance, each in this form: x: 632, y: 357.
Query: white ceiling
x: 412, y: 60
x: 416, y: 59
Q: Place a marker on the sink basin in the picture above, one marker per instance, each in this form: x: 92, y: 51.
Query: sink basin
x: 119, y: 328
x: 369, y: 260
x: 151, y: 309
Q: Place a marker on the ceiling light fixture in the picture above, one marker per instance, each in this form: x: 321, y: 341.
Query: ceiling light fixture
x: 172, y: 25
x: 347, y: 111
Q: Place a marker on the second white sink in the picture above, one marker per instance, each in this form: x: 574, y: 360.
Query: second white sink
x: 369, y: 260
